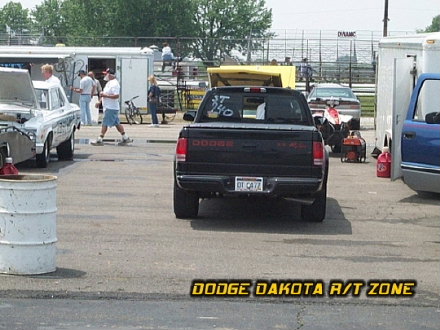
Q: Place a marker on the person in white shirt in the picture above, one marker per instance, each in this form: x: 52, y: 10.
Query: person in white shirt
x: 110, y: 103
x: 167, y: 56
x: 94, y: 103
x: 47, y: 72
x: 86, y: 89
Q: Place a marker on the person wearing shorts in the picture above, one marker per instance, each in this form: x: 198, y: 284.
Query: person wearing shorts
x: 110, y: 104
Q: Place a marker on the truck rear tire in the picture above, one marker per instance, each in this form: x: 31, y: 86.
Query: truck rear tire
x: 186, y: 204
x: 316, y: 211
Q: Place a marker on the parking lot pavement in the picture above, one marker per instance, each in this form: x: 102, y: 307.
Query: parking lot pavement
x: 118, y: 237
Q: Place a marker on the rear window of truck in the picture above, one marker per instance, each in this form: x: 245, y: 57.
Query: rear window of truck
x: 230, y: 106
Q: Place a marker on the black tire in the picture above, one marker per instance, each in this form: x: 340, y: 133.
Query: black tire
x: 355, y: 124
x: 66, y: 149
x: 337, y: 148
x: 128, y: 116
x: 316, y: 211
x: 186, y: 204
x: 42, y: 160
x: 137, y: 117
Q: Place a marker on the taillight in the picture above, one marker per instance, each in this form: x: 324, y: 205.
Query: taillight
x: 254, y: 90
x: 181, y: 149
x: 318, y: 153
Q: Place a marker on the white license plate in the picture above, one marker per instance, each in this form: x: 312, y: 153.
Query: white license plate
x: 246, y: 183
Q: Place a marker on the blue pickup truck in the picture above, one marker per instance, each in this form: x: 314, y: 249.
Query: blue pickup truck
x: 420, y: 138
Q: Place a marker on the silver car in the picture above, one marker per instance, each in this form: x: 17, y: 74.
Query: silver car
x: 349, y: 104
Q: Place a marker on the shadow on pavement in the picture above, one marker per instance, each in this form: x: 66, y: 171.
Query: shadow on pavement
x: 60, y: 273
x: 55, y: 166
x: 425, y: 198
x: 267, y: 216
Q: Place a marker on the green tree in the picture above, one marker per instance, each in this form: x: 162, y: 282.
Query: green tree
x: 435, y: 25
x: 223, y: 25
x: 86, y: 22
x: 83, y: 22
x: 48, y: 20
x: 220, y: 25
x: 15, y: 17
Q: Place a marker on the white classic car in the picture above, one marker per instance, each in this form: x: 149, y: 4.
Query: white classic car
x: 42, y: 111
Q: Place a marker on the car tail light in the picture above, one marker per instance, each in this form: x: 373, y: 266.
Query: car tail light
x: 254, y: 90
x: 318, y: 153
x: 181, y: 149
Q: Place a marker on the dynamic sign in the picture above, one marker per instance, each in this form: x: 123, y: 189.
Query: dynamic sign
x: 346, y: 34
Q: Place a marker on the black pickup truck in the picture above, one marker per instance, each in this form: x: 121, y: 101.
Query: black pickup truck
x: 249, y: 141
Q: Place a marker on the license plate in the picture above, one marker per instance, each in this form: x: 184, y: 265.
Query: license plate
x: 246, y: 183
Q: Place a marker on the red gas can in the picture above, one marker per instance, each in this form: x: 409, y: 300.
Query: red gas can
x: 383, y: 166
x: 8, y: 167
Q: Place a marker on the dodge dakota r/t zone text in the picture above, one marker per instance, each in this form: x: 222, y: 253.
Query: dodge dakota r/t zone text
x: 248, y: 141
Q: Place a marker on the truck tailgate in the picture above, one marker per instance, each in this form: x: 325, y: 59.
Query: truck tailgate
x: 261, y: 150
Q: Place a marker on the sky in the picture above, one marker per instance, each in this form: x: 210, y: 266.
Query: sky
x: 340, y: 15
x: 352, y: 15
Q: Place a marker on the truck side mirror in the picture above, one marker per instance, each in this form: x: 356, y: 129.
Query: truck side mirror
x: 189, y: 115
x: 433, y: 118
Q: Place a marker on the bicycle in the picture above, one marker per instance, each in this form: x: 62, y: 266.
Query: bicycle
x: 166, y: 106
x: 132, y: 112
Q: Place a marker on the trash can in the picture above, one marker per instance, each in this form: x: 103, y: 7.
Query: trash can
x: 27, y: 224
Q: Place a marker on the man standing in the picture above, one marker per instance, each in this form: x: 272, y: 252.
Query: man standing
x: 306, y: 72
x: 95, y: 104
x: 110, y: 103
x: 47, y: 72
x: 86, y: 88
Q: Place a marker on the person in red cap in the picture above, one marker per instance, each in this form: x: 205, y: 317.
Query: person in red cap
x: 110, y: 104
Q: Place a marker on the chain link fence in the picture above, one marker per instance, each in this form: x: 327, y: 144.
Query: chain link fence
x: 348, y: 58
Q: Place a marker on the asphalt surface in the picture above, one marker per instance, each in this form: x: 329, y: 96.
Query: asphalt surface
x: 125, y: 262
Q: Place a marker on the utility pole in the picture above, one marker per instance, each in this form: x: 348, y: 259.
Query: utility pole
x: 385, y: 20
x: 249, y: 46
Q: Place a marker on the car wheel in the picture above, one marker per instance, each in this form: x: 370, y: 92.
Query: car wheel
x: 186, y: 203
x: 43, y: 159
x: 65, y: 150
x: 316, y: 211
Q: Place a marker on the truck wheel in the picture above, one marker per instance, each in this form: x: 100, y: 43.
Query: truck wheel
x: 316, y: 211
x: 65, y: 149
x: 186, y: 204
x: 43, y: 159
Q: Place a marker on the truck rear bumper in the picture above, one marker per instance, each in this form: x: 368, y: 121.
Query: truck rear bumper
x: 272, y: 186
x: 422, y: 179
